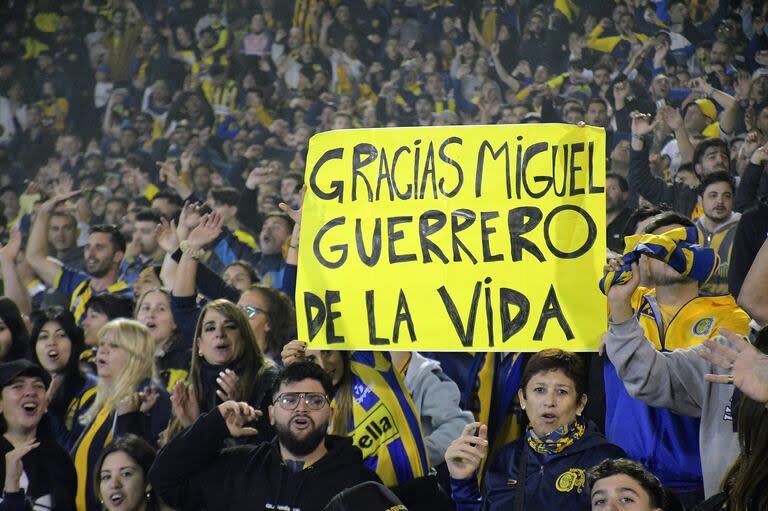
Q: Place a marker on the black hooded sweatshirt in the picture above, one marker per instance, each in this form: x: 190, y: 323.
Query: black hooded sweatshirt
x: 193, y: 472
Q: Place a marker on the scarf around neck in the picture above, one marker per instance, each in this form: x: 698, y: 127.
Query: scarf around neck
x: 557, y: 441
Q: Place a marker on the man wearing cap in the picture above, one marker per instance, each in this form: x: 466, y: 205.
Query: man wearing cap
x: 36, y: 468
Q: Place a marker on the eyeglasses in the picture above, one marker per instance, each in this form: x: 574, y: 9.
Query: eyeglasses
x: 251, y: 311
x: 290, y: 400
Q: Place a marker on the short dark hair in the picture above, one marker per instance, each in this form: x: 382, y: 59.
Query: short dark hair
x: 553, y: 359
x: 283, y: 216
x: 667, y: 218
x: 112, y: 306
x: 64, y: 214
x: 720, y: 176
x: 301, y: 371
x: 172, y: 197
x: 225, y: 195
x: 623, y: 184
x: 649, y: 482
x: 705, y: 144
x: 140, y: 202
x: 117, y: 199
x: 116, y: 237
x: 597, y: 100
x: 640, y: 214
x: 248, y: 267
x: 148, y: 215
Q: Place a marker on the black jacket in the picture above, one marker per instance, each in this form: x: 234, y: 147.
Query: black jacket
x: 193, y: 472
x: 681, y: 197
x: 50, y: 474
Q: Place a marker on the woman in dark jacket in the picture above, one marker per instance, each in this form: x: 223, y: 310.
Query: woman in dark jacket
x: 57, y: 342
x: 28, y: 445
x: 546, y: 468
x: 226, y: 365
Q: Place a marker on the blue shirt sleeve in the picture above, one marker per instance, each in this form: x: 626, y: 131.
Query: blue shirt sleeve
x: 70, y: 279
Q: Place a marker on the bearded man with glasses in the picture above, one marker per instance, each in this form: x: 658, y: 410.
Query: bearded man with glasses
x: 302, y: 468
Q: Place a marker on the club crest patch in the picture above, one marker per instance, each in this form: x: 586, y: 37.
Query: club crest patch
x: 703, y: 327
x: 573, y: 478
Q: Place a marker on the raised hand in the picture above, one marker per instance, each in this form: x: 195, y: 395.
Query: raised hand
x: 747, y: 364
x: 206, y: 232
x: 14, y: 466
x: 671, y: 117
x: 166, y: 236
x: 464, y: 455
x: 10, y: 250
x: 184, y: 404
x: 294, y: 351
x: 642, y: 124
x: 620, y: 295
x: 237, y: 415
x: 229, y: 386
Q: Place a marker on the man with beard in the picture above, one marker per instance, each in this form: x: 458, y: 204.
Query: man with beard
x: 144, y: 250
x: 673, y: 315
x: 103, y: 252
x: 717, y: 226
x: 616, y: 211
x: 302, y: 468
x: 711, y: 155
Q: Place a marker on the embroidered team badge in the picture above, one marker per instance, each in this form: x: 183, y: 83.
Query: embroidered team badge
x: 573, y: 478
x: 703, y: 327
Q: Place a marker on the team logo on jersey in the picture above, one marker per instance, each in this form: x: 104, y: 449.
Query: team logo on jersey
x: 703, y: 326
x: 573, y: 478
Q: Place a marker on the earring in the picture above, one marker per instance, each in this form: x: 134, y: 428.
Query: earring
x: 149, y: 496
x: 200, y: 354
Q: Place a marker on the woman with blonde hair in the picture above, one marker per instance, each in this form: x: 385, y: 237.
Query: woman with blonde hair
x: 127, y: 400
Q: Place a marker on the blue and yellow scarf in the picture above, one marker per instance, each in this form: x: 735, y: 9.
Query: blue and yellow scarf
x: 557, y: 441
x: 678, y: 248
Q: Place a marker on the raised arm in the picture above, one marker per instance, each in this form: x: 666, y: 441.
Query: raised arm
x: 192, y: 249
x: 753, y: 296
x: 46, y: 267
x: 674, y: 122
x: 13, y: 288
x: 669, y: 380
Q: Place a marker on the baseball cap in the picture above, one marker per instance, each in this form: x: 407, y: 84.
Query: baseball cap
x: 9, y: 371
x: 707, y: 108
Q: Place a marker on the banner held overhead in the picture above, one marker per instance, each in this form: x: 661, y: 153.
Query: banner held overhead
x: 457, y: 238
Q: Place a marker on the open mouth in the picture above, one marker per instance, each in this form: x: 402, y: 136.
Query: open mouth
x: 53, y: 355
x: 549, y: 418
x: 301, y: 422
x: 151, y: 325
x: 29, y: 407
x: 117, y: 498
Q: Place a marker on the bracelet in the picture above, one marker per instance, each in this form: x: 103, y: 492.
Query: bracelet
x: 293, y: 246
x: 196, y: 254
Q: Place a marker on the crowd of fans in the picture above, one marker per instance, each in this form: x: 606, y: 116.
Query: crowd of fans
x: 152, y: 155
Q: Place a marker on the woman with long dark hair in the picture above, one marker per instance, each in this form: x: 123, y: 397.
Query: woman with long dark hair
x: 14, y: 337
x: 226, y: 365
x: 120, y: 478
x: 57, y: 343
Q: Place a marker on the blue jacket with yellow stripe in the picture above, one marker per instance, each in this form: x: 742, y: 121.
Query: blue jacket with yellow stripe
x: 556, y: 481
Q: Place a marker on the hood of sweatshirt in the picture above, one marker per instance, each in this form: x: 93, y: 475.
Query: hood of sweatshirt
x: 314, y: 486
x: 734, y: 219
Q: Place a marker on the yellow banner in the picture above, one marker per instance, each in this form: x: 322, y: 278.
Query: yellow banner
x: 458, y: 238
